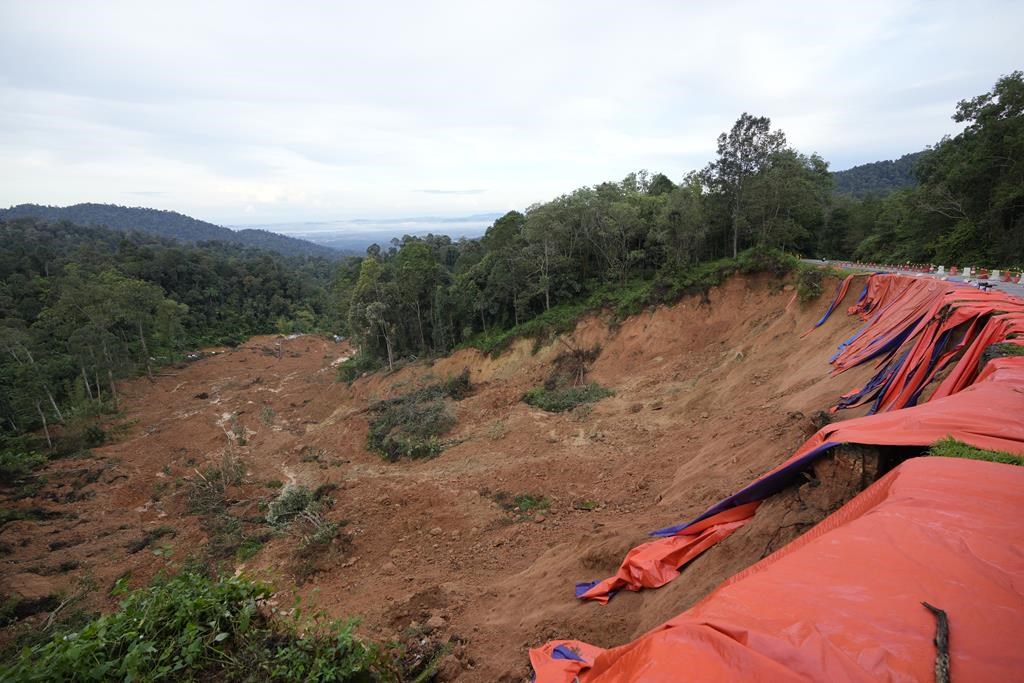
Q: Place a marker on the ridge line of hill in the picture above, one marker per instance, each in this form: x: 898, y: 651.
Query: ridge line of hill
x: 170, y: 225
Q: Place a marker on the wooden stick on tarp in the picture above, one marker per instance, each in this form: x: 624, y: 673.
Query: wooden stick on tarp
x: 941, y: 643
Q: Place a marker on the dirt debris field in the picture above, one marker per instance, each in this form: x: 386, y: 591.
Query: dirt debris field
x: 709, y: 394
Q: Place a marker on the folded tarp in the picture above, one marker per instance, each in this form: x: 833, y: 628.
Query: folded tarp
x: 843, y: 601
x: 937, y: 327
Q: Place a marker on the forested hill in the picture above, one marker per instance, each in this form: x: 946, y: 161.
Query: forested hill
x: 81, y: 307
x: 879, y: 177
x: 167, y: 224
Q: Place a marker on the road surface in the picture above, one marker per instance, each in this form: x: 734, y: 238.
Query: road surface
x: 1008, y: 287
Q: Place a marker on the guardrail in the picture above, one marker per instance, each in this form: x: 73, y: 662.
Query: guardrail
x: 967, y: 273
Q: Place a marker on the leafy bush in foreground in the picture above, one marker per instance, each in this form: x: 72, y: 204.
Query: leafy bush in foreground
x: 191, y: 627
x: 561, y: 400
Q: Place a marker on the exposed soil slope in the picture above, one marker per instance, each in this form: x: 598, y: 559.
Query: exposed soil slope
x: 709, y: 394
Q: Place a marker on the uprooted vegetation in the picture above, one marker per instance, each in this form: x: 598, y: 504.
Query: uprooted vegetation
x: 567, y: 387
x: 302, y: 513
x: 410, y: 425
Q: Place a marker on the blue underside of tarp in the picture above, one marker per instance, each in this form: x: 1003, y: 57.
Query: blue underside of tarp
x: 835, y: 301
x: 875, y: 385
x: 891, y: 344
x: 562, y: 652
x: 759, y: 490
x: 842, y: 347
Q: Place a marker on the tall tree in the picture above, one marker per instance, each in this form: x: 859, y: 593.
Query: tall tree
x: 742, y: 152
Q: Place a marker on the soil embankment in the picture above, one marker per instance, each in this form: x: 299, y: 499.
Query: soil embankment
x: 709, y: 394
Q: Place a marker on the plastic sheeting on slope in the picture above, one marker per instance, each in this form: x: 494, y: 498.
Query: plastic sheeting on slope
x: 938, y: 325
x: 843, y: 601
x: 990, y: 416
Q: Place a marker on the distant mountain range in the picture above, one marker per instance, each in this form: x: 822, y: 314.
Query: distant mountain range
x: 879, y: 177
x: 170, y: 225
x: 355, y: 235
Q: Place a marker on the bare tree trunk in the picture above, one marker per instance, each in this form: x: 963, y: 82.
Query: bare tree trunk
x: 85, y: 378
x: 387, y: 345
x: 53, y: 403
x: 110, y: 376
x: 419, y: 321
x: 46, y: 428
x: 145, y: 351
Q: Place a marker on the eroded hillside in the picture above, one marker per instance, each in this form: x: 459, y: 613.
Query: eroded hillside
x: 708, y: 394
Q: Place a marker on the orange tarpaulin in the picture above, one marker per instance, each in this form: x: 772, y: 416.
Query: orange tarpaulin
x: 843, y: 602
x: 987, y: 414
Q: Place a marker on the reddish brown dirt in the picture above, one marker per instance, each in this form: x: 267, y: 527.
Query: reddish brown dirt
x: 707, y: 397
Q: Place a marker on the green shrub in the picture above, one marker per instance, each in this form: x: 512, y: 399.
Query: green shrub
x: 808, y: 283
x: 353, y: 368
x: 192, y: 627
x: 561, y: 400
x: 951, y: 448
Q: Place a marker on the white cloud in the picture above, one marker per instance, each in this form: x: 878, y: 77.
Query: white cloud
x: 261, y: 112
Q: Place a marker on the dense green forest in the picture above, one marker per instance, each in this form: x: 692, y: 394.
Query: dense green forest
x: 878, y: 177
x: 167, y: 224
x: 85, y: 306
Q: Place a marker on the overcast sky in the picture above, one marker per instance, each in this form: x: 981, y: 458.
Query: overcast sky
x: 263, y: 112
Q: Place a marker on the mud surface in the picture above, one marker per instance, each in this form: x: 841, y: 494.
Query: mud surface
x: 707, y: 397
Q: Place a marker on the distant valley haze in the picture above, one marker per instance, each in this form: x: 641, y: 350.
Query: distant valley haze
x: 358, y: 233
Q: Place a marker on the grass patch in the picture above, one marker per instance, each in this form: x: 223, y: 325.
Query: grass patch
x: 522, y: 505
x: 951, y: 448
x: 192, y: 627
x: 409, y: 425
x: 250, y: 547
x: 567, y: 398
x: 1001, y: 350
